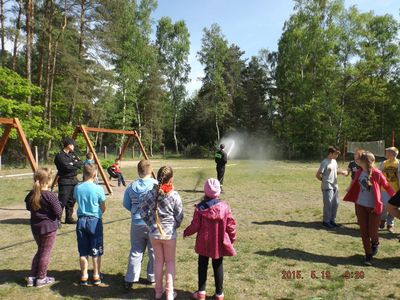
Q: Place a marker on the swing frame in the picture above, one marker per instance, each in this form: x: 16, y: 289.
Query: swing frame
x: 11, y: 123
x: 85, y: 130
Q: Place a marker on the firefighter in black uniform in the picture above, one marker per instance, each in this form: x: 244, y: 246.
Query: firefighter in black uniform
x: 67, y: 166
x: 221, y: 158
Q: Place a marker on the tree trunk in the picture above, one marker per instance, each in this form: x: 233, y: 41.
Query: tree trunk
x: 29, y: 41
x: 123, y: 111
x: 16, y: 37
x: 2, y: 33
x: 139, y: 119
x: 174, y: 125
x: 42, y: 42
x: 217, y: 126
x: 151, y: 139
x: 80, y: 55
x: 49, y: 61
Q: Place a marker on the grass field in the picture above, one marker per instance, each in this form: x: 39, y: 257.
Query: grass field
x: 283, y: 251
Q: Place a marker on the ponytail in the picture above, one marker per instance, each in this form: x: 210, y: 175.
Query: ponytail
x: 164, y: 175
x: 36, y: 195
x: 369, y: 159
x: 42, y: 178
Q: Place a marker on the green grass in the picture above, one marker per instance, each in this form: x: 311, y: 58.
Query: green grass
x: 278, y: 209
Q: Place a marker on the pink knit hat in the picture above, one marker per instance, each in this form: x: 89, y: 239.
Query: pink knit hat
x: 212, y: 188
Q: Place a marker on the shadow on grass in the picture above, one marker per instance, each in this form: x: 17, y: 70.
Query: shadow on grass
x: 191, y: 191
x: 342, y: 230
x: 5, y: 208
x: 388, y: 263
x: 67, y: 285
x: 16, y: 221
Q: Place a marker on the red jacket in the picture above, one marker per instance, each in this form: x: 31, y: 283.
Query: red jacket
x: 215, y: 227
x: 378, y: 180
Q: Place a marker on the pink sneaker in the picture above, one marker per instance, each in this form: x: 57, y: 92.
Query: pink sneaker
x: 219, y: 297
x: 199, y: 295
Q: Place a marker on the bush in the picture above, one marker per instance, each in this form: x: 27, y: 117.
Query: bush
x: 196, y: 151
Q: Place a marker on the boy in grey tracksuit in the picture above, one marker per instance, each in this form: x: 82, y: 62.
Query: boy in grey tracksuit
x: 327, y: 174
x: 133, y: 197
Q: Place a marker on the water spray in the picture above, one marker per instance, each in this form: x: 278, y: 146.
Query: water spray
x: 231, y: 148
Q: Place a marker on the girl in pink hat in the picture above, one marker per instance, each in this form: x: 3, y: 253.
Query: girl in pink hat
x: 215, y: 227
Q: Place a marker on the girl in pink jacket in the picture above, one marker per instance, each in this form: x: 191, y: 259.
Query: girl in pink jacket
x: 365, y: 192
x: 215, y: 227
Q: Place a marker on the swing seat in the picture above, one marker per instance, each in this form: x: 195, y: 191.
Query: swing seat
x: 111, y: 172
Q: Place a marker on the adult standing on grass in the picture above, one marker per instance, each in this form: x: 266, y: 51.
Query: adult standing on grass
x: 365, y: 191
x: 389, y: 168
x: 327, y: 174
x: 221, y: 158
x: 45, y: 212
x: 67, y: 164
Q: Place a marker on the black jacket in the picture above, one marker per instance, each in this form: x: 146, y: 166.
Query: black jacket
x: 221, y: 158
x: 67, y: 166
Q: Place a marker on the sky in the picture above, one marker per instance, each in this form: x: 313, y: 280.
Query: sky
x: 251, y: 24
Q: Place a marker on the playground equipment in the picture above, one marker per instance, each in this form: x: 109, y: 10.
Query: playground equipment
x: 84, y: 130
x: 11, y: 123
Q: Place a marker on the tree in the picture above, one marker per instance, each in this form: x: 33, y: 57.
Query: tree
x: 173, y: 45
x: 214, y: 91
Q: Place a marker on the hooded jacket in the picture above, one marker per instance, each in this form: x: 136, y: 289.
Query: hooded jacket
x: 215, y: 227
x: 133, y: 197
x: 378, y: 181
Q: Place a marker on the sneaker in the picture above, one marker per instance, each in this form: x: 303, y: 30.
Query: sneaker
x: 219, y: 297
x: 334, y: 224
x: 199, y: 295
x: 390, y: 228
x: 45, y: 281
x: 368, y: 260
x: 128, y: 285
x: 327, y: 225
x: 83, y: 281
x: 96, y: 280
x: 174, y: 295
x: 382, y: 224
x: 374, y: 249
x: 30, y: 281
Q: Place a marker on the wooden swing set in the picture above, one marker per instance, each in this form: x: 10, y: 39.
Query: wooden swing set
x: 11, y: 123
x: 85, y: 130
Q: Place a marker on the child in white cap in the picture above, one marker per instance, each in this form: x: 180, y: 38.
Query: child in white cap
x: 215, y: 227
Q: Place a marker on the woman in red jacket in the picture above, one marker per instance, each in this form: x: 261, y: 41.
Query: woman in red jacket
x: 365, y: 191
x: 215, y: 227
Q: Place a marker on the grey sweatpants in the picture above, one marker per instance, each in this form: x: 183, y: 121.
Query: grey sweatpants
x: 385, y: 215
x: 139, y: 241
x: 331, y: 204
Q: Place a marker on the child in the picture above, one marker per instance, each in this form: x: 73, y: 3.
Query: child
x: 133, y: 197
x: 163, y: 212
x: 215, y: 227
x: 365, y: 191
x: 353, y: 167
x: 89, y: 160
x: 389, y: 168
x: 45, y: 214
x: 89, y: 228
x: 327, y: 174
x: 115, y: 172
